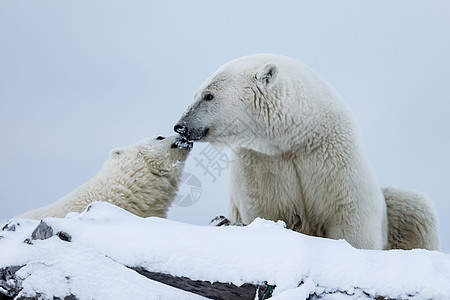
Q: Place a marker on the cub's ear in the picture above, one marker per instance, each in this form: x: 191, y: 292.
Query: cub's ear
x: 267, y: 74
x: 115, y: 153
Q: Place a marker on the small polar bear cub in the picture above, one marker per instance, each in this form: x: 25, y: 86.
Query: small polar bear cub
x: 142, y: 178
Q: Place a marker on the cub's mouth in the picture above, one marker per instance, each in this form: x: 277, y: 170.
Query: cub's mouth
x: 192, y: 134
x: 182, y: 143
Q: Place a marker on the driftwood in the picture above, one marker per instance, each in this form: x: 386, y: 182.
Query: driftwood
x: 10, y: 287
x: 10, y: 284
x: 216, y: 290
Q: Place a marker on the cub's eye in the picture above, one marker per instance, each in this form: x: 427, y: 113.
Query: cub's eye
x: 160, y: 138
x: 208, y: 97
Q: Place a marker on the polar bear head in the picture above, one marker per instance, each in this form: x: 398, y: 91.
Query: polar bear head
x: 143, y: 178
x: 152, y: 166
x: 257, y: 102
x: 161, y: 156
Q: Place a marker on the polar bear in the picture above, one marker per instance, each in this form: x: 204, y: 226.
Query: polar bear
x: 142, y: 178
x: 297, y: 152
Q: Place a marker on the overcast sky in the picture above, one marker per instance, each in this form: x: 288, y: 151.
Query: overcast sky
x: 78, y: 78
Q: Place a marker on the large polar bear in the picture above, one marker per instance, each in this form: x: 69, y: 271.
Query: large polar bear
x: 142, y: 178
x: 297, y: 151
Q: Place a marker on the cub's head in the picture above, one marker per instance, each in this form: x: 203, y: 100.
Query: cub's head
x: 157, y: 157
x: 238, y: 106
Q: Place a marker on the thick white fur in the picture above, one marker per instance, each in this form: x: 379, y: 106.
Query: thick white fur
x: 412, y: 220
x: 142, y: 178
x: 298, y: 155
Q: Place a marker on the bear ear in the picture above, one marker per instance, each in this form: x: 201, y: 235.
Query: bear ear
x: 268, y: 74
x: 115, y: 153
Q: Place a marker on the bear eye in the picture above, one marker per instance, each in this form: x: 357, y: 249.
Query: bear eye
x: 159, y: 138
x: 208, y: 97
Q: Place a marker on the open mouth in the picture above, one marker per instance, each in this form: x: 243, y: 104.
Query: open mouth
x: 182, y: 143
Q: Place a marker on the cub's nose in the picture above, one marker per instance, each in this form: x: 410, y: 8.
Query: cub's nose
x: 182, y: 130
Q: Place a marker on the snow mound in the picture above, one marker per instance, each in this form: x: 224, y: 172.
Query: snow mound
x: 87, y: 255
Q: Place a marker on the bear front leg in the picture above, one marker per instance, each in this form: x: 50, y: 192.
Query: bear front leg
x: 234, y: 215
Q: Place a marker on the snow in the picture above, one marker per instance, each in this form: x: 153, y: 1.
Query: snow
x: 106, y: 239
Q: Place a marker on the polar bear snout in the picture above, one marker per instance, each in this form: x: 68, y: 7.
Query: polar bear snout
x: 180, y: 129
x: 192, y: 134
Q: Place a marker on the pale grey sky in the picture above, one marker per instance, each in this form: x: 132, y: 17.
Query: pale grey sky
x: 78, y: 78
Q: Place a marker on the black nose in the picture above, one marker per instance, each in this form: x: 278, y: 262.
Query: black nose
x: 183, y: 130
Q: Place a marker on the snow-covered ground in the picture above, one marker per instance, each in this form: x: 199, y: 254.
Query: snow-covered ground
x: 105, y: 239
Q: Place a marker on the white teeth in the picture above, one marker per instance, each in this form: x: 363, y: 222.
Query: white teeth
x: 183, y: 143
